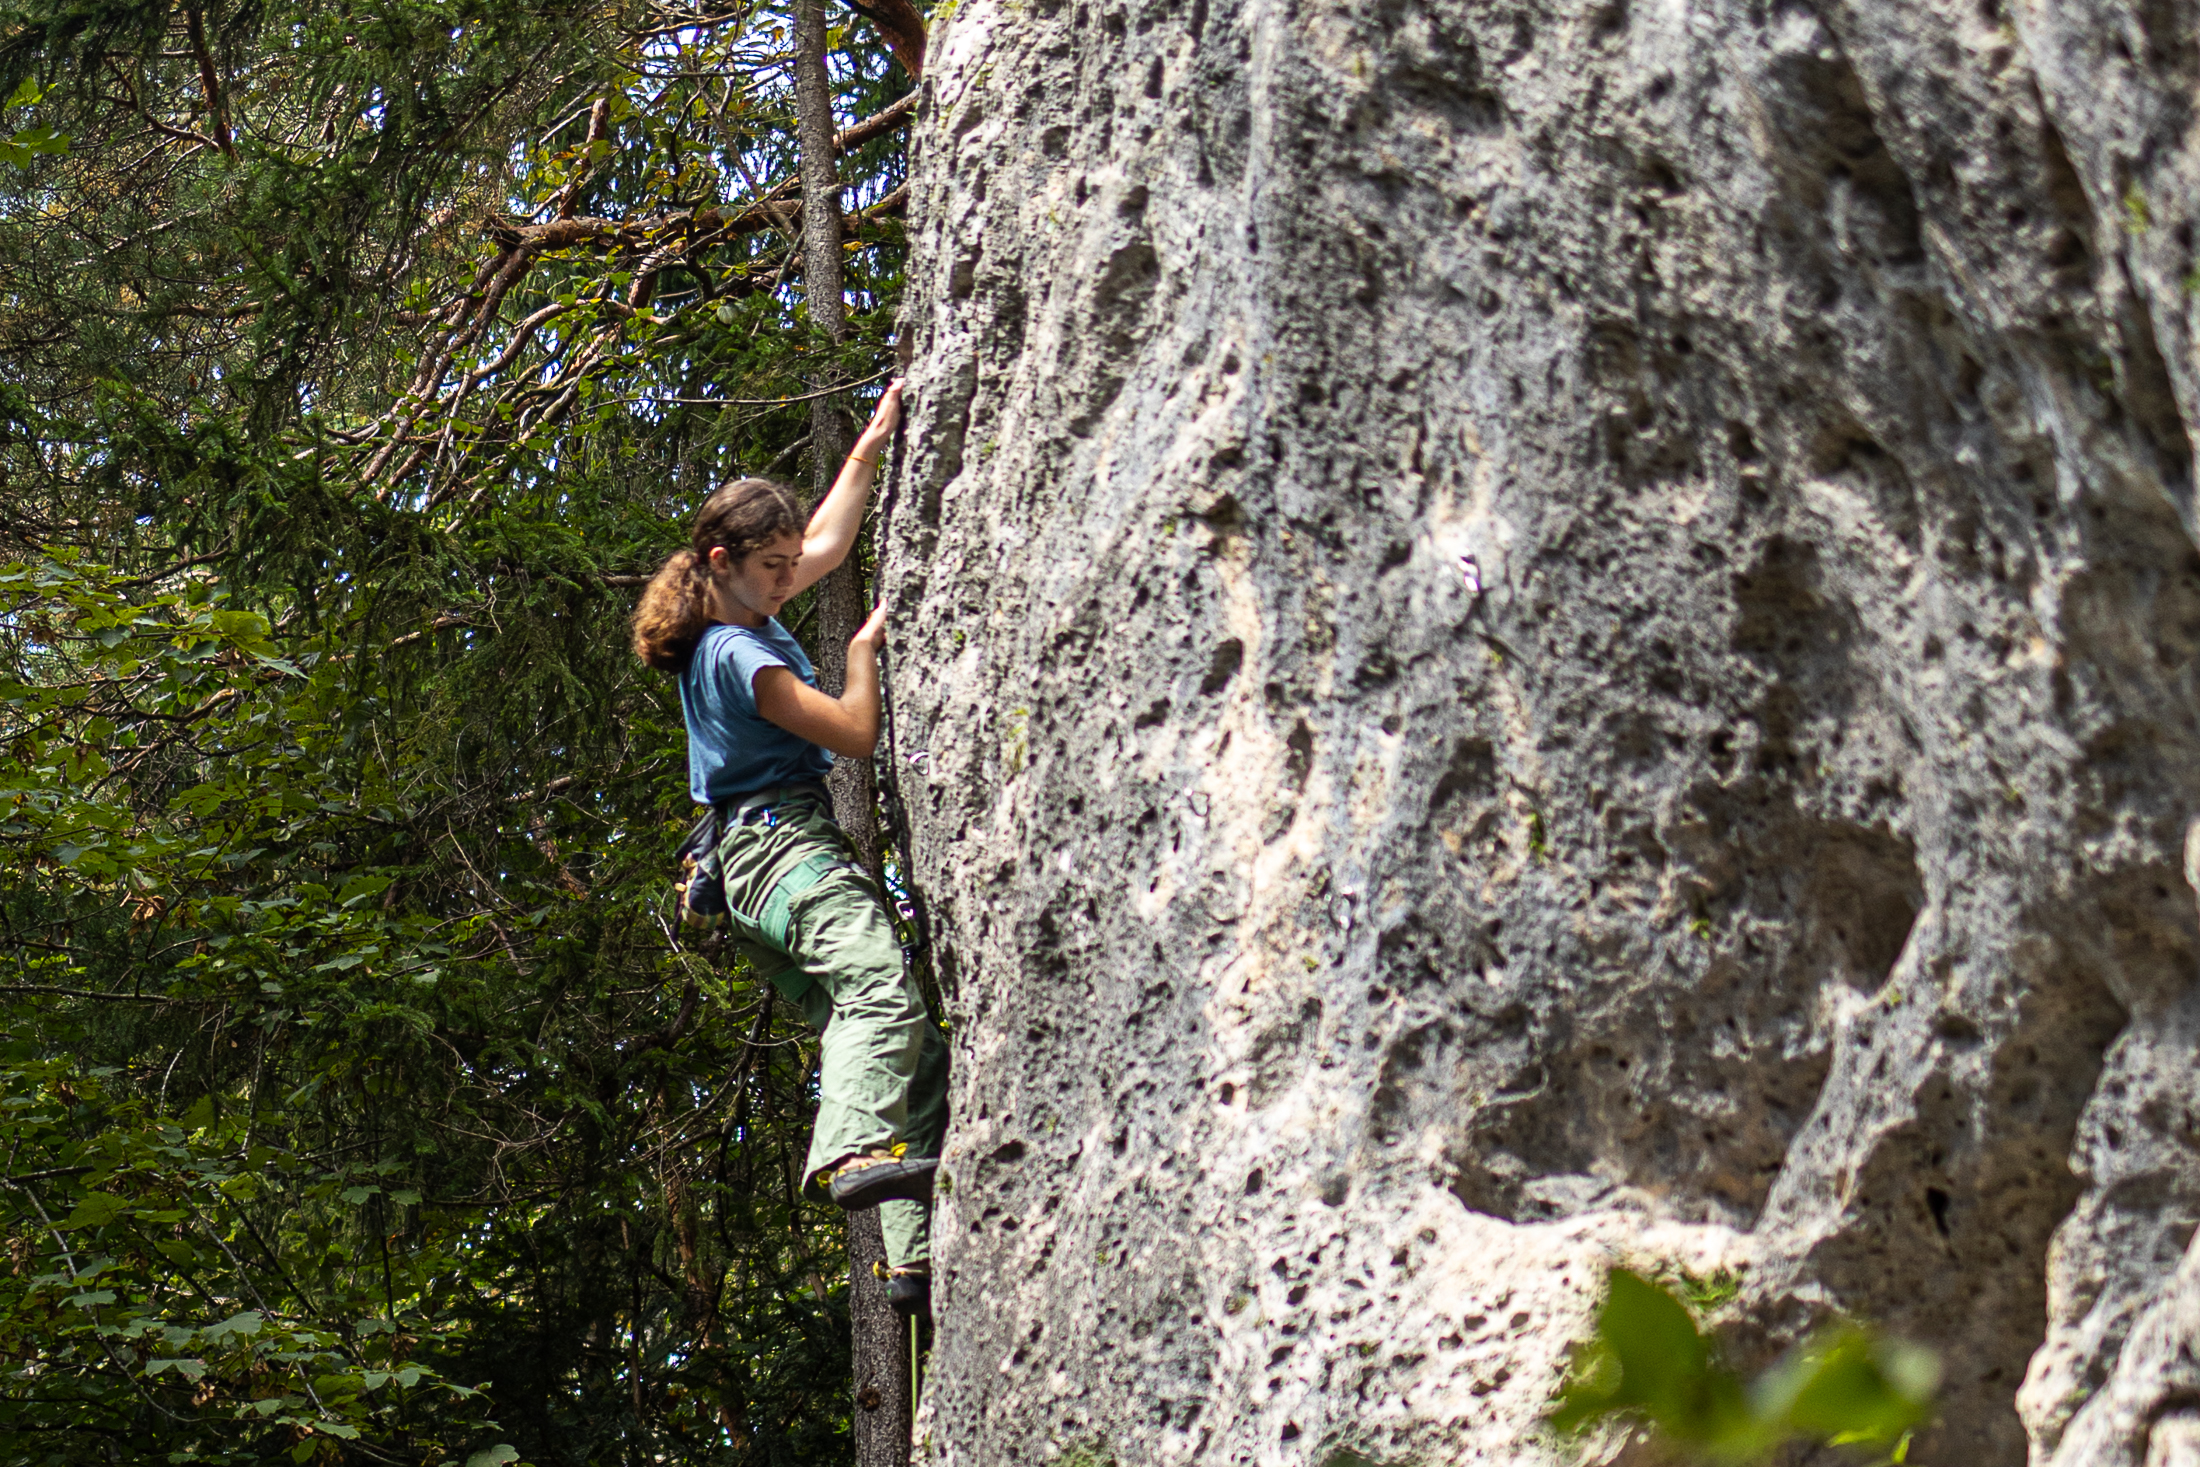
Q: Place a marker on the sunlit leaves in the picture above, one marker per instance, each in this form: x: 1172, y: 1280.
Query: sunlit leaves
x: 1648, y: 1362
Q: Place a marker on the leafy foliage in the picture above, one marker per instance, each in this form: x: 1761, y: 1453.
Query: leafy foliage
x: 355, y: 1101
x: 1648, y: 1362
x: 27, y: 143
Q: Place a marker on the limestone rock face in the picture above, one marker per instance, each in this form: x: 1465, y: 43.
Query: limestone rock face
x: 1544, y: 632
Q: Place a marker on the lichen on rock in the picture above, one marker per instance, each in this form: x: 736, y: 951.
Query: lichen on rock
x: 1546, y: 634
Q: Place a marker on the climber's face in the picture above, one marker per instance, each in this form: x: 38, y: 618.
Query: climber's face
x: 760, y: 582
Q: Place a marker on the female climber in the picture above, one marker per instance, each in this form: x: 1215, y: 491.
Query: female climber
x: 761, y: 737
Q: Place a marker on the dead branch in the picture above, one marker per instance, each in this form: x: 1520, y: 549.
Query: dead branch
x: 217, y: 106
x: 878, y: 124
x: 598, y: 119
x: 902, y: 28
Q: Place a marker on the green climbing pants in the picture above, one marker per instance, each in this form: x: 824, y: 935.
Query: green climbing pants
x: 809, y: 920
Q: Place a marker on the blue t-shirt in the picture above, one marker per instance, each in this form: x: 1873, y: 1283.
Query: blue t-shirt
x: 732, y: 749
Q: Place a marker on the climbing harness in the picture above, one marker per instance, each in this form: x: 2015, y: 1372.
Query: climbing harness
x: 701, y: 889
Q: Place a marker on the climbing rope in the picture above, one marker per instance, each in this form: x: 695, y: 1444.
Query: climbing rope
x: 897, y: 826
x: 897, y: 830
x: 889, y: 772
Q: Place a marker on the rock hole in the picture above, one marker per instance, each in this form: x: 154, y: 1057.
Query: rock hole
x: 2070, y: 248
x: 2149, y: 398
x: 1846, y: 165
x: 1229, y: 656
x: 1298, y: 759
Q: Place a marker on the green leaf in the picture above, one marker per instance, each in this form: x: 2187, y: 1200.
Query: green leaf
x: 246, y: 1324
x: 496, y: 1456
x: 1844, y: 1388
x: 359, y: 888
x: 1664, y: 1364
x: 1649, y: 1361
x: 96, y: 1209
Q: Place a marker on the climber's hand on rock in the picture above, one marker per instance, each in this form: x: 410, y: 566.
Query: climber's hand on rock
x: 872, y: 633
x: 883, y: 419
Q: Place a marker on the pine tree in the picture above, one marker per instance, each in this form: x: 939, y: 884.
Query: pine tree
x: 357, y: 1102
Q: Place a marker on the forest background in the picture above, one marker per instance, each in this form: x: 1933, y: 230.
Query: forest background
x: 358, y: 361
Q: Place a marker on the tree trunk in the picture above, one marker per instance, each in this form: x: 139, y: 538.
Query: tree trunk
x: 1553, y: 631
x: 882, y: 1415
x: 841, y: 602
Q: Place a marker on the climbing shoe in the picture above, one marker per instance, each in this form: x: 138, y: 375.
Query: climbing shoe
x: 909, y: 1290
x: 866, y: 1181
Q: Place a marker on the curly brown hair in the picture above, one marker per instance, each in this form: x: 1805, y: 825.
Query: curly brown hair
x: 740, y: 517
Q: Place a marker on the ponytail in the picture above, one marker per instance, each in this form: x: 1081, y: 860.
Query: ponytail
x: 745, y: 515
x: 671, y: 618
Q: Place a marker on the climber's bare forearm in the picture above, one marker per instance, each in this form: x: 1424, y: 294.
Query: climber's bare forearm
x: 847, y: 725
x: 832, y: 530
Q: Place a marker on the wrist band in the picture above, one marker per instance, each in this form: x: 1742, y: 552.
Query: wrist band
x: 859, y: 458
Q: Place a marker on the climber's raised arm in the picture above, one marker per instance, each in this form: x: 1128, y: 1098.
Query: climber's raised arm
x: 831, y: 532
x: 848, y: 724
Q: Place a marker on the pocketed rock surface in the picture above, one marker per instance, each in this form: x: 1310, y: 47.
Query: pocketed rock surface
x: 1537, y: 635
